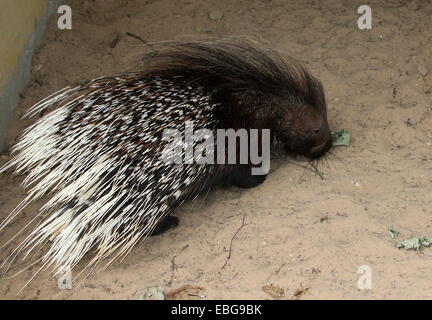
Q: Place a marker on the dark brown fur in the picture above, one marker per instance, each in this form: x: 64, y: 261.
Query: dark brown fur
x: 258, y: 88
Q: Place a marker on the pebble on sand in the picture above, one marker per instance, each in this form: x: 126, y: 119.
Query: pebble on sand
x: 215, y: 15
x: 422, y: 69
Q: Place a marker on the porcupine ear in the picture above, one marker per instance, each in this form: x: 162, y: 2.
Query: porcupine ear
x: 236, y: 65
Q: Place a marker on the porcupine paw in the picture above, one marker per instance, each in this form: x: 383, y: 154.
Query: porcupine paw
x: 167, y: 223
x: 242, y: 177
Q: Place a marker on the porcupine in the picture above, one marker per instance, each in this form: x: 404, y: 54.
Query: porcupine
x: 99, y: 151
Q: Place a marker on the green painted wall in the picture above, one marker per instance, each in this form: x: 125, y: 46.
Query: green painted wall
x: 18, y: 20
x: 22, y: 23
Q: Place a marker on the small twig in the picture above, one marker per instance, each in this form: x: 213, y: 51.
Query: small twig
x: 232, y: 239
x: 113, y: 43
x: 328, y: 38
x: 133, y: 35
x: 196, y: 295
x: 316, y: 170
x: 309, y: 167
x: 174, y: 266
x: 173, y: 269
x: 276, y: 272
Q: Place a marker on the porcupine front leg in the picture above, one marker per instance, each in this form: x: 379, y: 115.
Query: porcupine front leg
x: 167, y: 223
x: 242, y: 177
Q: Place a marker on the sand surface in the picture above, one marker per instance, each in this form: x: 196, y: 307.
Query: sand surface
x: 304, y: 237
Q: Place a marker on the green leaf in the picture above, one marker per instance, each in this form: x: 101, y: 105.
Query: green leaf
x: 83, y: 82
x: 341, y: 138
x: 393, y: 233
x: 427, y: 242
x: 153, y: 293
x: 147, y: 57
x: 413, y: 243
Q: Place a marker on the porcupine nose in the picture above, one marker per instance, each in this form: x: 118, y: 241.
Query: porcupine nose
x: 324, y: 143
x: 322, y: 137
x: 316, y: 131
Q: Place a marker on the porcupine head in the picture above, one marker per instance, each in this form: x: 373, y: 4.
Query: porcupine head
x: 98, y: 153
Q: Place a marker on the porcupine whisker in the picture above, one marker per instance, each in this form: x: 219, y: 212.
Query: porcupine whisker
x: 304, y: 167
x: 308, y: 167
x: 327, y: 160
x: 312, y: 165
x: 325, y: 164
x: 332, y: 154
x: 315, y: 165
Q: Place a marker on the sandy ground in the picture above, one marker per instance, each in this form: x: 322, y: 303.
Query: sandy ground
x: 304, y: 237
